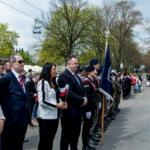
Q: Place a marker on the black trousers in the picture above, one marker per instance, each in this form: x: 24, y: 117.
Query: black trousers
x: 47, y: 131
x: 31, y: 104
x: 87, y: 124
x: 0, y: 143
x: 70, y: 133
x: 12, y: 137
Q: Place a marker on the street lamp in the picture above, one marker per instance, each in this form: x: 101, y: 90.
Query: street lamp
x: 107, y: 33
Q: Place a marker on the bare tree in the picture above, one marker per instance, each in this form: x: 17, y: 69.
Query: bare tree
x: 121, y: 19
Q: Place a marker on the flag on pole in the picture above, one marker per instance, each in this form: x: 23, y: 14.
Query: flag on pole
x: 64, y: 90
x: 106, y: 80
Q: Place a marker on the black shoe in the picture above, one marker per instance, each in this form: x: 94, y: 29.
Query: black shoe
x: 107, y: 121
x: 96, y: 143
x: 97, y: 135
x: 118, y: 110
x: 112, y: 118
x: 105, y: 129
x: 25, y: 141
x: 93, y: 143
x: 114, y: 114
x: 96, y: 139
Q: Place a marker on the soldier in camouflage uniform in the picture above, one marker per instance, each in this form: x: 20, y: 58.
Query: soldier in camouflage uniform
x: 116, y: 93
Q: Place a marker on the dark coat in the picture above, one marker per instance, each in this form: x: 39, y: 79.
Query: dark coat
x: 31, y: 90
x: 74, y: 96
x: 91, y: 92
x: 14, y: 101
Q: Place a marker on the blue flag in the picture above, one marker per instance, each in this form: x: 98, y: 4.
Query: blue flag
x: 106, y: 80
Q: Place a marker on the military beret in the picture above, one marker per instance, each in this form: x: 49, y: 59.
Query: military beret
x: 89, y: 69
x: 93, y: 61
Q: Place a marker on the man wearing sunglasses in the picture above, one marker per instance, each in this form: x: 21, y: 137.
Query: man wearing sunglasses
x: 14, y: 103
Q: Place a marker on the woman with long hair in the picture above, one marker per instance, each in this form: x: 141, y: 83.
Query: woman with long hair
x: 49, y: 105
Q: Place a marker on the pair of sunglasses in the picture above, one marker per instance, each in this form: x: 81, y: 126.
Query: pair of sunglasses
x: 20, y: 61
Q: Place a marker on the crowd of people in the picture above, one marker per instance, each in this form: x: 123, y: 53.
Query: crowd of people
x: 72, y: 97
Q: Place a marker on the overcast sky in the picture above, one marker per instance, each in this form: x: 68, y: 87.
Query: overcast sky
x: 23, y: 24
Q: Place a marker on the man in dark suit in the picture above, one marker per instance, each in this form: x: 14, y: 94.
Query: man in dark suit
x: 75, y: 97
x: 14, y: 103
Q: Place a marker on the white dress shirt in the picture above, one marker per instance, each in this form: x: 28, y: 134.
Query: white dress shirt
x: 1, y: 114
x: 16, y: 74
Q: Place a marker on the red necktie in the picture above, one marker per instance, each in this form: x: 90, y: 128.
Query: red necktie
x: 21, y: 82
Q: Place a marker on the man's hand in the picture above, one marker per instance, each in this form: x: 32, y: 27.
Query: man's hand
x: 85, y: 101
x: 2, y: 121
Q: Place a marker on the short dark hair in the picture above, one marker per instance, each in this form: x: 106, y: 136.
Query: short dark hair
x: 93, y: 62
x: 70, y: 57
x: 30, y: 70
x: 89, y: 68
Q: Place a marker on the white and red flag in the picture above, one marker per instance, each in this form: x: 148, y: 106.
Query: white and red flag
x: 64, y: 91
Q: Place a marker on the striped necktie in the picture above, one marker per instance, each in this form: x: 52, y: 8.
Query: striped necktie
x: 77, y: 79
x: 21, y: 82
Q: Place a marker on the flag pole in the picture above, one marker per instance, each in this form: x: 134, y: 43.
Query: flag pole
x: 102, y: 119
x: 103, y: 97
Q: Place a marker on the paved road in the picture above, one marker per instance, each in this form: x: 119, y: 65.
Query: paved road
x: 130, y: 130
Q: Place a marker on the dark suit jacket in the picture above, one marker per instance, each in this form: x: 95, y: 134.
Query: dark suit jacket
x: 31, y: 90
x: 74, y: 96
x: 14, y: 101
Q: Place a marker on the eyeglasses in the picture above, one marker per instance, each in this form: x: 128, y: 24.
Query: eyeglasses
x: 20, y: 61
